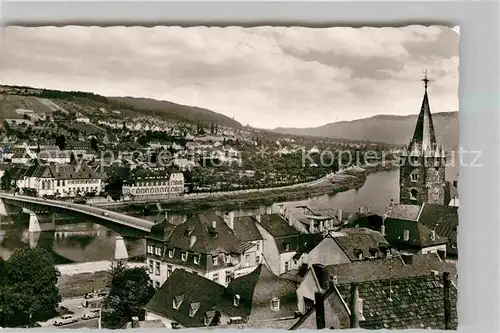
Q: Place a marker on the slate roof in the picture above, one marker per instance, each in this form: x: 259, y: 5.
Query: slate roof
x: 359, y: 271
x: 443, y: 219
x: 161, y: 231
x: 405, y: 212
x: 245, y: 229
x: 360, y: 239
x: 208, y: 239
x: 277, y: 226
x: 420, y: 236
x: 194, y: 291
x: 256, y: 290
x: 415, y: 303
x: 61, y: 172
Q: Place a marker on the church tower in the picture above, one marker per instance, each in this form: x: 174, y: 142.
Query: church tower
x: 423, y: 163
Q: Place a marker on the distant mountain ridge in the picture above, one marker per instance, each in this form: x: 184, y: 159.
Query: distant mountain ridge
x: 390, y: 129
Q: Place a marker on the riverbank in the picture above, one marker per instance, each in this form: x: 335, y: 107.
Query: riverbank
x: 341, y: 182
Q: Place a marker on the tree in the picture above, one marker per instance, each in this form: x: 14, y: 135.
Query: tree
x: 61, y: 142
x: 129, y: 291
x: 28, y: 288
x: 93, y: 144
x: 6, y: 180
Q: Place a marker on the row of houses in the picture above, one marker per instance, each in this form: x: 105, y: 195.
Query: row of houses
x: 262, y: 272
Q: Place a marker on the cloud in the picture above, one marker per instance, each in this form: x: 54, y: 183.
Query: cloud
x: 264, y: 76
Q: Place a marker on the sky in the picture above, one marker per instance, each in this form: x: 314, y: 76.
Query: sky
x: 265, y: 77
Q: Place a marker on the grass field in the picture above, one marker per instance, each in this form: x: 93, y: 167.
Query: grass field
x: 9, y: 104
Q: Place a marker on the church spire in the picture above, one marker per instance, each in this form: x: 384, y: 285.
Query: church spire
x: 424, y: 130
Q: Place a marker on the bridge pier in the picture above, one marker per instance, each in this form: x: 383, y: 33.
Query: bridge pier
x: 120, y: 249
x: 33, y: 239
x: 35, y: 225
x: 3, y: 209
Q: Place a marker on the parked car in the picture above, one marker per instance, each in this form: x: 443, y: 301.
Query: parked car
x: 105, y: 213
x: 89, y: 295
x: 32, y: 325
x: 94, y: 313
x: 64, y: 320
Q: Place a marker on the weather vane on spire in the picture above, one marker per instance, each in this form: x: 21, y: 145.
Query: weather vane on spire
x: 425, y: 79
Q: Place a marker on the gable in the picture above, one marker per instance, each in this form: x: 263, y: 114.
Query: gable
x: 327, y: 252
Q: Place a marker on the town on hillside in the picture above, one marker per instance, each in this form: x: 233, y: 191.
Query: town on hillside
x: 216, y: 225
x: 238, y: 177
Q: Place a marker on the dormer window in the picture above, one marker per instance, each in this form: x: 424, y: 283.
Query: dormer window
x: 170, y: 253
x: 193, y: 307
x: 406, y: 235
x: 287, y: 246
x: 215, y: 261
x: 236, y: 300
x: 209, y: 316
x: 414, y: 176
x: 184, y: 256
x: 196, y: 260
x: 177, y: 301
x: 275, y: 304
x: 227, y: 259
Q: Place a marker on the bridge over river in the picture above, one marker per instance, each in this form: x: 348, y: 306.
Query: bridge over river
x: 33, y: 205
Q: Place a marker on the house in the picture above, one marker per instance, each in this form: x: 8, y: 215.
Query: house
x: 66, y: 180
x: 22, y: 158
x: 259, y: 298
x: 84, y: 120
x: 55, y: 156
x: 143, y: 182
x: 307, y: 220
x: 320, y: 278
x: 186, y: 300
x: 347, y: 246
x: 284, y: 246
x: 218, y: 248
x: 416, y: 302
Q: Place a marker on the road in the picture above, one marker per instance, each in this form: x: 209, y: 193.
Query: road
x: 102, y: 213
x: 91, y: 323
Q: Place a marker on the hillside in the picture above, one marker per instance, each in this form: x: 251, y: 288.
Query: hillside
x: 29, y: 97
x: 384, y: 128
x: 173, y: 110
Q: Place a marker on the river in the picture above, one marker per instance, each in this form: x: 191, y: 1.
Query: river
x: 83, y: 241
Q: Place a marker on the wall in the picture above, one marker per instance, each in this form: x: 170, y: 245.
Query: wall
x: 307, y: 288
x: 152, y: 316
x: 270, y: 250
x: 288, y: 257
x: 327, y: 252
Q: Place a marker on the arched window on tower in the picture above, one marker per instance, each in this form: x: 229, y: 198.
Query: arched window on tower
x: 414, y: 176
x: 413, y: 194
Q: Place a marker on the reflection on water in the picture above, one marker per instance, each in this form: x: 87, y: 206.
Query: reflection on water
x: 72, y: 241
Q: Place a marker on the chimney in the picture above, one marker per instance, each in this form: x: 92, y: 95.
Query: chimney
x: 269, y: 210
x: 135, y: 322
x: 433, y: 235
x: 354, y: 305
x: 311, y: 226
x: 339, y: 214
x: 166, y: 216
x: 257, y: 218
x: 229, y: 219
x: 192, y: 240
x: 382, y: 230
x: 447, y: 301
x: 214, y: 224
x: 319, y: 300
x: 407, y: 258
